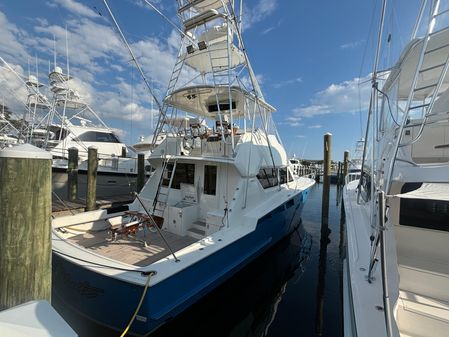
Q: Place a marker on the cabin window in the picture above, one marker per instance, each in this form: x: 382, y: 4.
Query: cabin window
x: 222, y: 106
x: 268, y: 177
x: 283, y: 175
x: 101, y: 137
x: 290, y: 177
x: 210, y: 179
x: 423, y: 213
x: 184, y: 173
x: 365, y: 184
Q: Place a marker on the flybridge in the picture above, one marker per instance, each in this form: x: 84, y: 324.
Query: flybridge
x: 213, y: 79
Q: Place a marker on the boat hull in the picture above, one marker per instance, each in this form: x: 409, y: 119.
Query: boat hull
x: 109, y: 184
x: 111, y: 302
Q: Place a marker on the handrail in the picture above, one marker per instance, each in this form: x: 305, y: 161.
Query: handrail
x: 372, y: 99
x: 426, y: 39
x: 383, y: 262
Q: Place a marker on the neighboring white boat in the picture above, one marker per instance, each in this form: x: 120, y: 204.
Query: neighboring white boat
x: 66, y: 121
x: 8, y: 133
x: 355, y: 162
x: 396, y: 272
x: 34, y: 318
x: 71, y: 123
x: 221, y: 194
x: 295, y: 165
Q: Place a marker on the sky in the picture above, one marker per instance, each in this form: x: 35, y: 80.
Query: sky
x: 313, y: 59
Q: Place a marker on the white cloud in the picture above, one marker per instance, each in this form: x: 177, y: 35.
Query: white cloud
x: 316, y: 126
x: 344, y: 97
x: 281, y: 84
x: 10, y: 35
x: 88, y: 43
x: 269, y: 29
x: 74, y: 7
x: 258, y: 12
x: 352, y: 45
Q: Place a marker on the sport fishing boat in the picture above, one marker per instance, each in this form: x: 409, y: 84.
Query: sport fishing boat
x: 355, y: 163
x: 66, y: 121
x: 222, y: 192
x: 396, y: 272
x: 8, y: 133
x: 69, y: 122
x: 295, y: 165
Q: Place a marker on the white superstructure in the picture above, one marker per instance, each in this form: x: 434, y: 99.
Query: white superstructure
x: 396, y: 272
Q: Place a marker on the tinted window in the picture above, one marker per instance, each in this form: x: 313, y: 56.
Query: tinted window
x: 283, y: 175
x: 268, y: 177
x: 102, y: 137
x: 184, y: 173
x: 210, y: 179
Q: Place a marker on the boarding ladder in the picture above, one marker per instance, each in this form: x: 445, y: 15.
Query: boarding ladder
x: 427, y: 92
x: 161, y: 197
x: 420, y: 91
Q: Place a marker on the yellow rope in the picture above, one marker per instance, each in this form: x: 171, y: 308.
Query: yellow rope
x: 138, y: 306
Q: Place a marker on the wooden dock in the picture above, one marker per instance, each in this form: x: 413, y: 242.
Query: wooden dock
x: 63, y: 207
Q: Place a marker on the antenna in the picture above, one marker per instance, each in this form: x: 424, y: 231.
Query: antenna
x: 37, y: 72
x: 241, y: 15
x: 67, y: 52
x: 54, y: 50
x: 132, y: 56
x: 151, y: 113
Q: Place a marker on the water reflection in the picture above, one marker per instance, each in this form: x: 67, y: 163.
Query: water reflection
x: 324, y: 241
x: 247, y: 304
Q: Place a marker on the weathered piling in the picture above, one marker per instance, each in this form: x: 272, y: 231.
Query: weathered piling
x: 25, y: 225
x: 339, y: 172
x: 72, y: 174
x: 92, y: 166
x: 124, y: 151
x: 345, y: 164
x: 140, y: 171
x: 326, y: 178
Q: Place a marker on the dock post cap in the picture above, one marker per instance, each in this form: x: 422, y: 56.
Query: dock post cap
x: 328, y: 134
x: 93, y: 147
x: 25, y: 151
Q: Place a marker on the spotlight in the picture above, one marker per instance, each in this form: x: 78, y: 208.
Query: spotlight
x: 202, y: 45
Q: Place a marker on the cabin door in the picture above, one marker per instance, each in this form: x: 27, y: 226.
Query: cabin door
x: 209, y: 196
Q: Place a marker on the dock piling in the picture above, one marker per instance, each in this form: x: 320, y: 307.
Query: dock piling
x: 25, y: 225
x: 140, y: 171
x: 326, y: 178
x: 92, y: 166
x: 345, y: 164
x: 72, y: 173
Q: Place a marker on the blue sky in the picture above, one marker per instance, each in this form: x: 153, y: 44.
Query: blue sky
x: 311, y: 57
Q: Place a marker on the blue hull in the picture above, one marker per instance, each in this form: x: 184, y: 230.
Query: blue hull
x: 111, y: 302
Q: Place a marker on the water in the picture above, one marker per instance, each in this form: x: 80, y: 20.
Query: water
x: 294, y: 289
